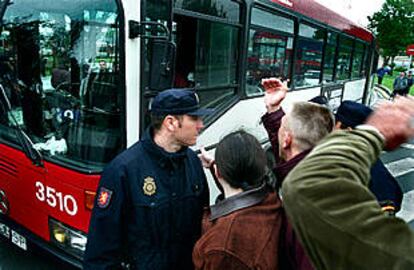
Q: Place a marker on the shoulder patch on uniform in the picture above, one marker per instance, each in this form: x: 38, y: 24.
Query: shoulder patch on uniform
x: 104, y: 197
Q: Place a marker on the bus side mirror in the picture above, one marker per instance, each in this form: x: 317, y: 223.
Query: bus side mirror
x: 162, y: 59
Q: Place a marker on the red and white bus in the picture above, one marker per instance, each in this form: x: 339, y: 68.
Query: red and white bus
x: 76, y: 78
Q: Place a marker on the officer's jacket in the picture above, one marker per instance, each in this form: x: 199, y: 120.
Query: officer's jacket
x: 148, y: 209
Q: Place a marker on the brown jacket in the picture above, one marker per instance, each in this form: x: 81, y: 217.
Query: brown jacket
x: 241, y: 232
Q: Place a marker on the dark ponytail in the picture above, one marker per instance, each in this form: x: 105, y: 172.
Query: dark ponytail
x: 241, y: 160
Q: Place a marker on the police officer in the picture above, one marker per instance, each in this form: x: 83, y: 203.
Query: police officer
x: 150, y: 199
x: 383, y: 185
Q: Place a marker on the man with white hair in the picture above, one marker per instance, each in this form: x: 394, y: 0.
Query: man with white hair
x: 292, y: 135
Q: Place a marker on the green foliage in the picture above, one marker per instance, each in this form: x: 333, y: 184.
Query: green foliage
x: 400, y: 69
x: 393, y: 26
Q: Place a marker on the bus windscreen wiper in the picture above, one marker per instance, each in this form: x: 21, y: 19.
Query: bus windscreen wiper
x: 31, y: 152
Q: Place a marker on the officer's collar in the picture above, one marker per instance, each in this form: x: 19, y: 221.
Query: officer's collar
x: 158, y: 151
x: 240, y: 201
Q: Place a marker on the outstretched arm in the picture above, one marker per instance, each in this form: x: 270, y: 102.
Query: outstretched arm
x: 338, y: 220
x: 275, y: 93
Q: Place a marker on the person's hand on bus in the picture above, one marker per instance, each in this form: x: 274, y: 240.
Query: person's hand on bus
x: 275, y: 93
x: 395, y: 121
x: 208, y: 162
x: 206, y: 159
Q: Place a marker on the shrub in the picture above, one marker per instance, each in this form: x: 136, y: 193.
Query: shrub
x: 400, y: 69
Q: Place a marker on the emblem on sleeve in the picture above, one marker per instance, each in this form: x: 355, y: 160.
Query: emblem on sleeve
x: 149, y: 186
x: 104, y: 197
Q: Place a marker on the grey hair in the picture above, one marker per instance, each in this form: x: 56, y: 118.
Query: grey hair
x: 309, y: 123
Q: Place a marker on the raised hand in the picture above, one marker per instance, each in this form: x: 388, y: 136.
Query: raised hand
x: 275, y: 93
x: 394, y: 120
x: 206, y: 159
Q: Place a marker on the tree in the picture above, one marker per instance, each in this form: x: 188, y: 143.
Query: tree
x: 393, y: 26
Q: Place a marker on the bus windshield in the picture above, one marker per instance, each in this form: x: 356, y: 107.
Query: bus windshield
x: 60, y: 68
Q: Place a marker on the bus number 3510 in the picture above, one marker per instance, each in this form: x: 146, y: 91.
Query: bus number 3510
x: 65, y: 203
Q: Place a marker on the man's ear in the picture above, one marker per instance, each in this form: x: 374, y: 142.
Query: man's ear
x: 169, y: 123
x: 287, y: 140
x: 338, y: 125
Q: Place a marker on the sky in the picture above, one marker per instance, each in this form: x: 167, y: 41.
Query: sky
x: 355, y: 10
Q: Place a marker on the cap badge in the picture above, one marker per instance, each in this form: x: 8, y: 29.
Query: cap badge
x: 149, y: 186
x: 104, y: 197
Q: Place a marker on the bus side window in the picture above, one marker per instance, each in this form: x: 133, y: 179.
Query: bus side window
x: 309, y: 56
x: 270, y: 49
x: 343, y: 69
x: 207, y: 56
x: 186, y: 30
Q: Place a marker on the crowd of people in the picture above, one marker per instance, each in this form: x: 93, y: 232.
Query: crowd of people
x: 331, y: 206
x: 402, y: 83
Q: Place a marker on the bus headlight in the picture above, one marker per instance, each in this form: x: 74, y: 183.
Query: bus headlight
x: 71, y: 240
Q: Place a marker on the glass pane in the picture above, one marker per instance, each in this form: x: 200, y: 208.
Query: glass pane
x: 158, y: 10
x: 273, y: 21
x: 2, y: 7
x: 343, y: 68
x: 311, y: 32
x: 332, y: 37
x: 216, y: 54
x: 359, y: 46
x: 216, y: 98
x: 329, y: 63
x: 357, y: 63
x: 62, y: 76
x: 365, y: 61
x: 225, y: 9
x: 345, y: 42
x: 308, y: 65
x: 268, y: 56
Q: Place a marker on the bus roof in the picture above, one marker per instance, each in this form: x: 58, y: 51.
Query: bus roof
x: 320, y: 13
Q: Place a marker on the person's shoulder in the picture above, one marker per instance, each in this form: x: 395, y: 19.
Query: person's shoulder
x: 129, y: 155
x: 266, y: 214
x: 192, y: 156
x: 215, y: 237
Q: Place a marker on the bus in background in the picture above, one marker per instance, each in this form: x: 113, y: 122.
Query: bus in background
x: 77, y: 77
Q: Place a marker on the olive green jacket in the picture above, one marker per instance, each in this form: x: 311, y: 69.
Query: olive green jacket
x: 337, y: 218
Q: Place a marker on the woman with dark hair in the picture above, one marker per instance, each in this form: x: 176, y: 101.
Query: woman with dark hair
x: 241, y: 162
x: 243, y: 230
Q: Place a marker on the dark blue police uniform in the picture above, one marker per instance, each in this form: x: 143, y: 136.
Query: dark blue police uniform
x: 383, y: 185
x: 153, y: 217
x: 385, y: 188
